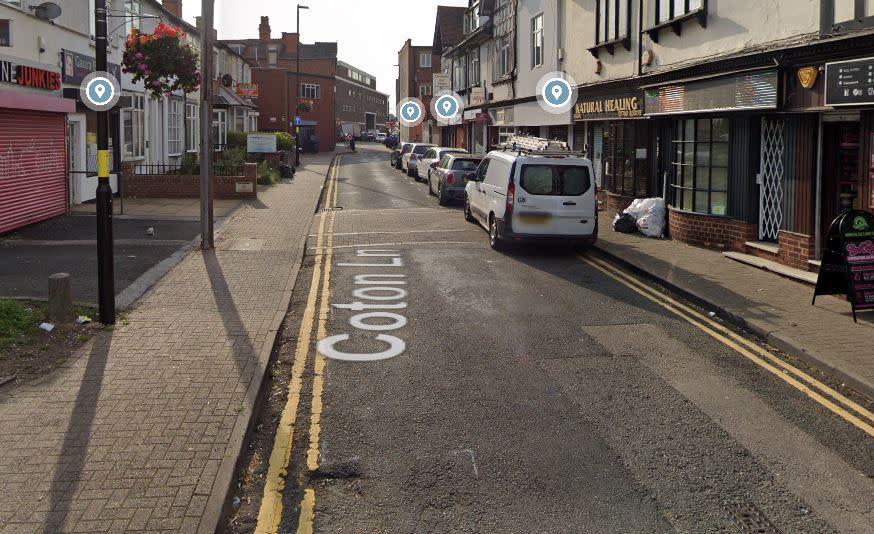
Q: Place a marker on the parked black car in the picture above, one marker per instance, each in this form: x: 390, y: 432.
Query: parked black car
x: 397, y: 153
x: 392, y: 140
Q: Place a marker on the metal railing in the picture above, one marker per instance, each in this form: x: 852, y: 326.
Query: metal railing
x: 219, y: 169
x: 158, y: 170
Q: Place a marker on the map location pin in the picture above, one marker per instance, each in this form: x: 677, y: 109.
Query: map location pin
x: 99, y: 89
x: 447, y: 105
x: 556, y: 91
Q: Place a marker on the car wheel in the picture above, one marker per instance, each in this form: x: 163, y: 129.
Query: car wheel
x: 468, y: 216
x: 494, y: 241
x: 441, y: 195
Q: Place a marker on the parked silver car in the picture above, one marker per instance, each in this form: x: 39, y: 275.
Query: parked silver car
x: 446, y: 180
x: 430, y: 158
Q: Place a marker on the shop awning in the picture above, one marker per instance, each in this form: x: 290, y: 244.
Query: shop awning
x: 35, y: 102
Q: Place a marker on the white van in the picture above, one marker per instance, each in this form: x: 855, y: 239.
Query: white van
x: 531, y: 189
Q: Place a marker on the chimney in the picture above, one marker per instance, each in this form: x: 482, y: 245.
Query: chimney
x: 264, y: 29
x: 173, y: 6
x: 289, y: 41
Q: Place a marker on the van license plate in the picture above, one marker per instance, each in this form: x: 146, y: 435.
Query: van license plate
x: 531, y: 218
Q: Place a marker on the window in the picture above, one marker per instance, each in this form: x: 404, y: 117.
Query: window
x: 219, y: 128
x: 459, y: 73
x: 612, y: 20
x: 431, y: 154
x: 473, y: 74
x: 253, y: 121
x: 134, y: 126
x: 537, y: 41
x: 174, y: 127
x: 271, y: 55
x: 132, y: 13
x: 5, y: 32
x: 559, y: 180
x: 311, y: 91
x: 471, y: 19
x: 239, y: 120
x: 667, y: 10
x: 468, y: 165
x: 192, y: 125
x: 424, y: 90
x: 505, y: 133
x: 223, y: 63
x: 425, y: 60
x: 700, y: 162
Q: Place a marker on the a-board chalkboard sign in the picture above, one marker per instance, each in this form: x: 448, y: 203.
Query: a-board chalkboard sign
x: 848, y: 261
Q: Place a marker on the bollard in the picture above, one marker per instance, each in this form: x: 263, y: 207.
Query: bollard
x: 60, y: 299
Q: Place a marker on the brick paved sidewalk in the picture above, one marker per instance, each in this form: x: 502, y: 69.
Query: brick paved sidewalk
x: 773, y: 307
x: 141, y: 429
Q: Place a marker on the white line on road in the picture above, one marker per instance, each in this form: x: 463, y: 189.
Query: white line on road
x: 401, y: 232
x: 407, y: 243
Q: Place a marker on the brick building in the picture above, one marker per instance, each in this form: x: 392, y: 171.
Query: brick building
x: 360, y: 107
x: 416, y: 66
x: 274, y: 63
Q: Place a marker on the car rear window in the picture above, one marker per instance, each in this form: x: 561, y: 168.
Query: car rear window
x: 557, y: 180
x: 465, y: 164
x: 420, y: 149
x: 406, y: 148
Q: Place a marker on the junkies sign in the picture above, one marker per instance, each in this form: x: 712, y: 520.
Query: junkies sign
x: 848, y: 262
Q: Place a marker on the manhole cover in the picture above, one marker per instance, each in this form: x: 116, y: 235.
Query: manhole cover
x: 748, y: 518
x: 335, y: 208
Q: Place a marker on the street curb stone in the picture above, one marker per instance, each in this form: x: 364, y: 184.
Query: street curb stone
x: 219, y: 504
x: 776, y: 338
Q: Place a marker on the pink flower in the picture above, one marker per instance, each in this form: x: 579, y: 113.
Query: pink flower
x: 156, y: 83
x: 142, y: 67
x: 139, y: 55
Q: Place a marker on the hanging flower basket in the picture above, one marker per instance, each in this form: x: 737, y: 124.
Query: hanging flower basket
x: 163, y: 61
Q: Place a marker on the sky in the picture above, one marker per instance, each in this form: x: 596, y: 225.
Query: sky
x: 368, y: 33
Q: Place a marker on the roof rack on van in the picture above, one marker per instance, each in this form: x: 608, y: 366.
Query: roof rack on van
x: 527, y: 144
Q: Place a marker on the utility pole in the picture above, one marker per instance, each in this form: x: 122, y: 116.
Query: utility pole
x: 206, y: 189
x: 297, y: 92
x: 105, y: 260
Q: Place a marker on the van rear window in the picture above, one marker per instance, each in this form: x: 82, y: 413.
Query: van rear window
x: 555, y: 180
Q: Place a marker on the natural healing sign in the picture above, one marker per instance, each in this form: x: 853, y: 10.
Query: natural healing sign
x: 848, y: 262
x: 849, y: 82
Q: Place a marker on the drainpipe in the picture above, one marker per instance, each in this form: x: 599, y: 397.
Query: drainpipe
x: 818, y: 216
x: 639, y: 37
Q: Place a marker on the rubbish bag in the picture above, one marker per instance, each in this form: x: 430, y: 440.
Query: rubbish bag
x: 625, y: 223
x: 651, y: 222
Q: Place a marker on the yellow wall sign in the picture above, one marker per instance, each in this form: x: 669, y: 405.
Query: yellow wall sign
x: 807, y: 76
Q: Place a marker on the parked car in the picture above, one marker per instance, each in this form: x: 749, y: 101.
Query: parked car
x: 431, y: 157
x: 399, y: 151
x: 446, y: 178
x: 370, y: 136
x: 410, y: 160
x: 392, y: 140
x: 534, y: 194
x: 379, y: 138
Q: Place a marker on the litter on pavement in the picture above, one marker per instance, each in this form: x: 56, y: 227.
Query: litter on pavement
x: 48, y: 327
x: 646, y: 215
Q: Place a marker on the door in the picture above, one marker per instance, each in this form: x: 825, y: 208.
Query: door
x: 476, y: 194
x: 770, y: 178
x: 574, y: 201
x: 841, y: 162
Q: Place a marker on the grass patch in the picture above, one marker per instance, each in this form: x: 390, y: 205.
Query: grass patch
x: 18, y: 321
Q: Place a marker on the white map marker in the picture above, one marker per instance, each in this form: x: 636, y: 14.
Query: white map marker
x: 556, y: 91
x: 99, y: 89
x: 446, y: 106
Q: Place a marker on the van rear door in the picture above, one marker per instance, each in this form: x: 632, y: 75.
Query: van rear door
x: 555, y: 198
x: 575, y: 200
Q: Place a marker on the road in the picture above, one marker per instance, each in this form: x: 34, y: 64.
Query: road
x: 531, y: 391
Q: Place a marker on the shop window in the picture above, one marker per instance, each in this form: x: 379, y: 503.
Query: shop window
x: 174, y: 127
x: 5, y: 32
x: 700, y: 165
x: 134, y: 126
x: 537, y: 41
x: 621, y: 148
x: 192, y: 125
x: 311, y: 91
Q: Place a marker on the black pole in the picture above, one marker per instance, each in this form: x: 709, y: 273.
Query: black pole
x: 105, y: 271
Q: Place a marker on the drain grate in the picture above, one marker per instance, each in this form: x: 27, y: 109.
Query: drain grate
x: 748, y: 518
x: 335, y: 208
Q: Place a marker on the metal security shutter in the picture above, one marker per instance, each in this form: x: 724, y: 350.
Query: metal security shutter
x: 33, y: 169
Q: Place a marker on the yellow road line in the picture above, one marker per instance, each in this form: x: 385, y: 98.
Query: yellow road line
x: 710, y: 327
x: 270, y: 511
x: 798, y: 373
x: 307, y: 506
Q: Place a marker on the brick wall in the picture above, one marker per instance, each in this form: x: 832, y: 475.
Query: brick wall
x: 616, y: 203
x: 708, y: 231
x: 796, y: 249
x: 186, y: 186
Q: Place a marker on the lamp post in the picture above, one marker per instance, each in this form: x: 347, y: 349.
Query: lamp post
x: 105, y: 267
x: 206, y: 72
x: 297, y: 92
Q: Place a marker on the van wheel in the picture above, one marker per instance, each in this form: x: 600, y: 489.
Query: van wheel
x: 468, y: 216
x: 494, y: 240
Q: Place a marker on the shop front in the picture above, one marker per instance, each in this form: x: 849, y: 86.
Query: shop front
x: 722, y: 149
x: 612, y: 131
x: 33, y: 165
x: 502, y: 126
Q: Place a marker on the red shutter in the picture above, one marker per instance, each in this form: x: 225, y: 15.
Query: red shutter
x: 33, y: 167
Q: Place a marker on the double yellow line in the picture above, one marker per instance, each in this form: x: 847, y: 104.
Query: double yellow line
x: 270, y: 512
x: 838, y: 404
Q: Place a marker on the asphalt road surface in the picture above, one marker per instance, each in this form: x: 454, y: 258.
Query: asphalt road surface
x: 529, y: 391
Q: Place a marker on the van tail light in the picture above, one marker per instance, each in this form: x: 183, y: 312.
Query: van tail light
x: 450, y: 178
x: 511, y: 194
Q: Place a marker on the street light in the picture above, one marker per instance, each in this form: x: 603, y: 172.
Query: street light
x: 297, y: 100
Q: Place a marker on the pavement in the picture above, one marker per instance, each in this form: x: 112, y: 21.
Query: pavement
x: 774, y: 308
x: 528, y: 391
x: 141, y: 429
x: 164, y: 208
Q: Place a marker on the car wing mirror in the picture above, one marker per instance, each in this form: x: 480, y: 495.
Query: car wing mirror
x: 433, y: 164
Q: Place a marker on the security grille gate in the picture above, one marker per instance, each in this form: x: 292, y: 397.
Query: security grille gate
x: 33, y: 167
x: 771, y: 179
